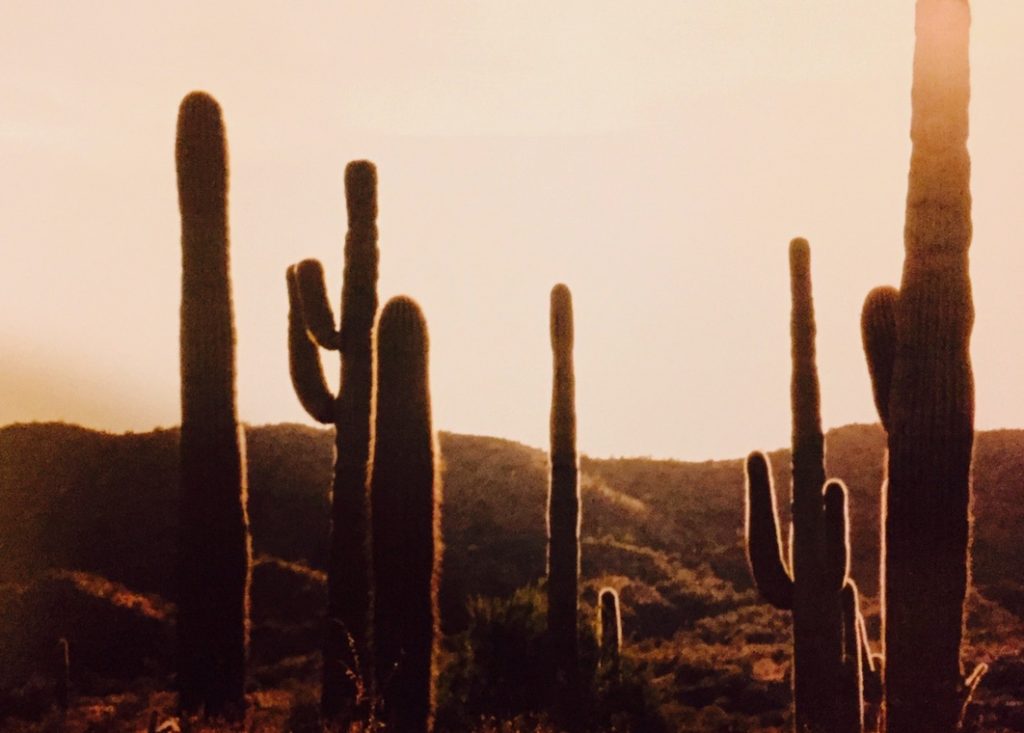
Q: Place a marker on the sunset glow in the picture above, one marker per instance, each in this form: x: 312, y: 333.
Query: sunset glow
x: 656, y: 157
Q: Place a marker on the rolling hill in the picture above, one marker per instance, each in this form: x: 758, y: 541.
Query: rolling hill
x: 88, y: 525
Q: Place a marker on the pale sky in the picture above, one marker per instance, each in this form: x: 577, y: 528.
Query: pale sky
x: 655, y: 156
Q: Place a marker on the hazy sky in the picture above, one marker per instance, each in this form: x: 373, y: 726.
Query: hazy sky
x: 655, y: 156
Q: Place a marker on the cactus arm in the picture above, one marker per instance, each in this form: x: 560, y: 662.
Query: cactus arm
x: 304, y: 361
x: 316, y: 308
x: 854, y: 641
x: 850, y: 691
x: 609, y: 629
x: 837, y: 540
x: 764, y: 545
x: 970, y: 684
x: 878, y: 333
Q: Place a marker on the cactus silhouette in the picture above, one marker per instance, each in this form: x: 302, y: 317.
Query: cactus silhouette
x: 563, y: 502
x: 917, y: 342
x: 215, y: 551
x: 811, y: 584
x: 62, y: 675
x: 609, y: 629
x: 856, y: 663
x: 311, y: 324
x: 405, y: 496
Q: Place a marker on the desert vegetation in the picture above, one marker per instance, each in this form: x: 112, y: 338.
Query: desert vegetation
x: 377, y: 576
x: 214, y: 551
x: 829, y: 656
x: 311, y: 324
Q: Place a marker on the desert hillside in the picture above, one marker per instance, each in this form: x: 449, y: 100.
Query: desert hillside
x: 88, y: 523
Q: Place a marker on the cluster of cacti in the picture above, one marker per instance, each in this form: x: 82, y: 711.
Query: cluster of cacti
x: 917, y: 342
x: 405, y: 493
x: 563, y: 500
x: 385, y: 546
x: 385, y: 539
x: 312, y: 324
x: 215, y: 553
x: 826, y: 677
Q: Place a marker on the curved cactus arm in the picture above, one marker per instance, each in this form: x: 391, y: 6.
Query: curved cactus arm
x: 304, y: 360
x: 316, y: 308
x: 764, y: 545
x: 837, y: 540
x: 878, y: 332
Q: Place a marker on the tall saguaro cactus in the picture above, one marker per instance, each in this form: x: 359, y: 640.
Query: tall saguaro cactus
x: 311, y: 324
x: 215, y: 553
x: 405, y: 494
x: 918, y: 347
x: 810, y: 585
x: 563, y: 499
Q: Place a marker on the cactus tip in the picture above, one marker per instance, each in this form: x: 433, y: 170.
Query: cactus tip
x: 835, y: 493
x: 310, y: 268
x: 360, y: 173
x: 199, y: 101
x: 561, y: 315
x: 799, y: 247
x: 361, y: 193
x: 403, y: 326
x: 757, y: 463
x: 560, y: 291
x: 199, y: 113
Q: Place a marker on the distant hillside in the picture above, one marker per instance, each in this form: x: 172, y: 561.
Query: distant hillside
x: 74, y: 498
x: 84, y: 512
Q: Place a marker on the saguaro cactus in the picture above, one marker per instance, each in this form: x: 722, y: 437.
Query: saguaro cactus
x: 563, y: 499
x: 405, y: 495
x: 811, y: 586
x: 215, y: 552
x: 609, y: 629
x: 311, y: 324
x: 918, y: 347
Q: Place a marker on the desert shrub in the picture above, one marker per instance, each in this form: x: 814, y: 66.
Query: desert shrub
x: 497, y: 666
x: 498, y: 671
